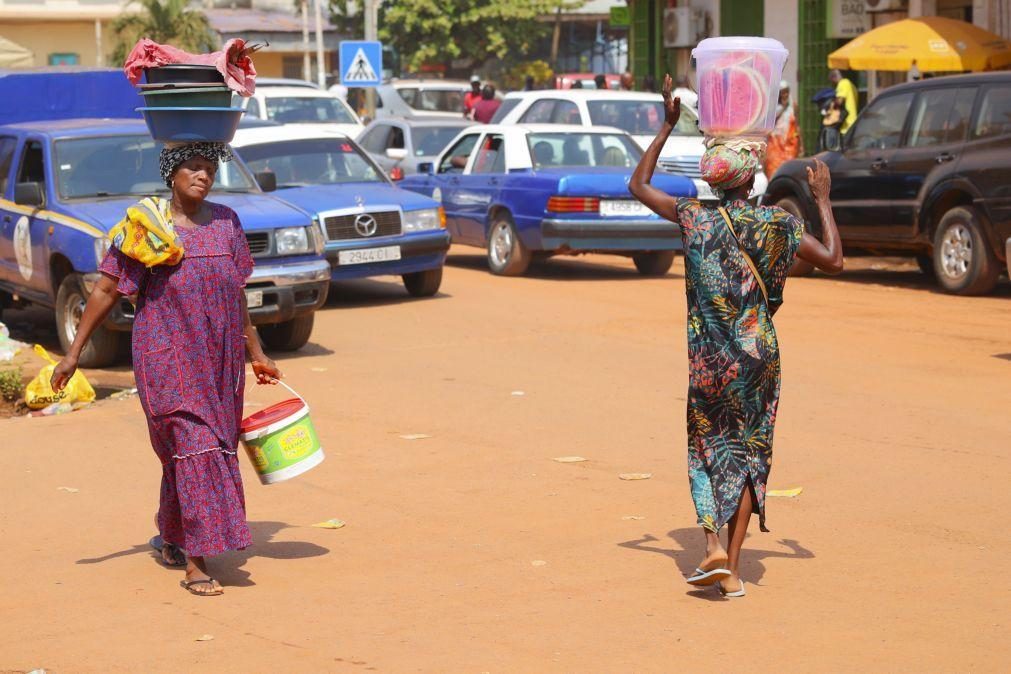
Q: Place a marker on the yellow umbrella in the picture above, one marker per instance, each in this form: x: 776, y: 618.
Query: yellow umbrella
x: 933, y: 43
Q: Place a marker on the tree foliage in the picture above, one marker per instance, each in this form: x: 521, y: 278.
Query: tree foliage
x: 444, y: 31
x: 166, y: 22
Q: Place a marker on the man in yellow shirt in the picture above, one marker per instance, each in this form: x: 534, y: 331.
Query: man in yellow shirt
x: 846, y: 98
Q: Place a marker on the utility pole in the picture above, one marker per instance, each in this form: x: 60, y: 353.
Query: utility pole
x: 320, y: 66
x: 306, y: 59
x: 371, y: 33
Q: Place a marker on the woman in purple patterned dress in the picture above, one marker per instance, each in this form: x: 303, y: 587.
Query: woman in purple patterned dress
x: 189, y: 335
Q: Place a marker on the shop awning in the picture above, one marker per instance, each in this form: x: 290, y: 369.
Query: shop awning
x: 13, y: 55
x: 933, y: 43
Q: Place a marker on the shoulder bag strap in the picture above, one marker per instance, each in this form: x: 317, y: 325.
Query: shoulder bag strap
x: 747, y: 258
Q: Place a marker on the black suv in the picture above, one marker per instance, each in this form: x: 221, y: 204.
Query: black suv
x: 925, y: 171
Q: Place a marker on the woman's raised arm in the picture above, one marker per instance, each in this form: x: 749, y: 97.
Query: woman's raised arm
x: 826, y: 254
x: 656, y: 200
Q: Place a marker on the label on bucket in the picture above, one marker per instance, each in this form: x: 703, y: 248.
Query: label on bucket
x: 283, y: 448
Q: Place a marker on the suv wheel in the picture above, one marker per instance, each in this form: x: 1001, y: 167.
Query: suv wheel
x: 792, y: 206
x: 288, y: 336
x: 103, y: 347
x: 423, y: 283
x: 963, y: 261
x: 507, y: 256
x: 656, y: 263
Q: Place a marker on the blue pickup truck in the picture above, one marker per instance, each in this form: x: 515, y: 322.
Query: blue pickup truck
x: 64, y: 183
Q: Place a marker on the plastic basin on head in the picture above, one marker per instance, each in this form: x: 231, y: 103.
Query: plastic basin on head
x: 192, y: 124
x: 182, y: 72
x: 203, y: 97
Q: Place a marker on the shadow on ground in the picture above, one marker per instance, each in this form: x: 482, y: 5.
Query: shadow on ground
x: 690, y: 547
x: 560, y: 268
x: 371, y: 292
x: 228, y: 567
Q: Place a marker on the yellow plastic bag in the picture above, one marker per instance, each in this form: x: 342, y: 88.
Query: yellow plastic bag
x: 39, y: 394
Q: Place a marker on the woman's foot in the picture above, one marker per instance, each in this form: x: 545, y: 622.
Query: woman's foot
x: 712, y: 569
x: 731, y: 587
x: 197, y: 581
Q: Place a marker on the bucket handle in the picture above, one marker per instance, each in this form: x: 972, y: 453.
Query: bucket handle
x: 293, y: 392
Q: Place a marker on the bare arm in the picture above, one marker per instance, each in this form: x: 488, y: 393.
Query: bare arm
x: 826, y: 254
x: 100, y: 303
x: 656, y: 200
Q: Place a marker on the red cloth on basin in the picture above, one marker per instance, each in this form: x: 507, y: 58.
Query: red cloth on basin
x: 233, y: 62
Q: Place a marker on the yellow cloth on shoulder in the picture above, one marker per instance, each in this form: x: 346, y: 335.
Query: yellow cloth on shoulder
x: 146, y: 233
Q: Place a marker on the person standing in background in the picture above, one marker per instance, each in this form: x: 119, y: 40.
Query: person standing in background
x: 846, y: 99
x: 472, y: 97
x: 600, y: 81
x: 486, y: 108
x: 627, y: 81
x: 528, y: 83
x: 784, y: 143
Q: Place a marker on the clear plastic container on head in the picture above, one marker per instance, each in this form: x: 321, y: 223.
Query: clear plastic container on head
x: 737, y: 79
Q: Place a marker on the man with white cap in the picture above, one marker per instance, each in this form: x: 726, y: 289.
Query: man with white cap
x: 472, y: 96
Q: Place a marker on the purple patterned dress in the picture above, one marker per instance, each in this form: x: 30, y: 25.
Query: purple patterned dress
x: 189, y: 361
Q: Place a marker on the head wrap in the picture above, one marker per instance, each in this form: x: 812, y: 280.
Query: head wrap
x: 730, y: 164
x: 174, y: 155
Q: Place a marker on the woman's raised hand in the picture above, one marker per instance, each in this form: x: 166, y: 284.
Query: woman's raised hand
x: 819, y: 179
x: 266, y: 371
x: 671, y: 103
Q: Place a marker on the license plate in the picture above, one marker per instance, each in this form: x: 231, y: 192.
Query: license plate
x: 622, y: 207
x: 368, y: 255
x: 254, y: 298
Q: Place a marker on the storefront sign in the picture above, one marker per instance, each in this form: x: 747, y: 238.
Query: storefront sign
x: 847, y: 18
x: 620, y: 17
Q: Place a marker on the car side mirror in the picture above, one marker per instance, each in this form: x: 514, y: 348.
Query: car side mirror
x: 29, y: 194
x: 397, y: 153
x: 426, y: 168
x: 267, y: 180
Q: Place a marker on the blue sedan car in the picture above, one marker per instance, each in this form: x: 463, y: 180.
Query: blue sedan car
x: 557, y: 189
x: 370, y: 226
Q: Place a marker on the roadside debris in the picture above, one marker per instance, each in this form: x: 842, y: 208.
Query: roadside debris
x: 538, y: 562
x: 635, y: 476
x: 69, y: 490
x: 633, y: 517
x: 414, y: 436
x: 331, y: 524
x: 568, y: 459
x: 787, y: 493
x: 205, y: 637
x: 8, y: 347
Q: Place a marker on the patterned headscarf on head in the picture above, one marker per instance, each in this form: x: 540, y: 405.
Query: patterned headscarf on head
x: 174, y: 155
x: 726, y: 166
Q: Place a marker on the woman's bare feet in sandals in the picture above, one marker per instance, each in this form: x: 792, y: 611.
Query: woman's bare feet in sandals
x: 197, y: 581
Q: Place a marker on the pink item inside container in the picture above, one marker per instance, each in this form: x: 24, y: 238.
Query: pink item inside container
x: 738, y: 84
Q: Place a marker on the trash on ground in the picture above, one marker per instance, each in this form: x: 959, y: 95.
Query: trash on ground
x: 8, y: 347
x: 633, y: 517
x: 330, y: 524
x: 518, y: 393
x: 788, y: 493
x: 414, y: 436
x: 635, y: 476
x: 318, y: 369
x: 39, y: 394
x: 125, y: 393
x: 205, y: 637
x: 568, y: 459
x: 71, y: 490
x: 52, y: 410
x: 538, y: 562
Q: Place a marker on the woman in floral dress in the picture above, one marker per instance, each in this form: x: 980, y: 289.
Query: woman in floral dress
x: 737, y: 259
x: 189, y: 337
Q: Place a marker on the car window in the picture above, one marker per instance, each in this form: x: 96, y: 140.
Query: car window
x: 941, y: 116
x: 539, y: 112
x: 507, y: 106
x: 565, y: 112
x: 490, y: 156
x: 308, y: 110
x: 582, y: 149
x: 639, y: 118
x: 432, y: 100
x: 396, y: 139
x: 253, y: 109
x: 880, y: 126
x: 7, y: 146
x: 431, y: 140
x: 311, y: 162
x: 33, y: 168
x: 456, y: 158
x: 375, y: 140
x: 994, y: 113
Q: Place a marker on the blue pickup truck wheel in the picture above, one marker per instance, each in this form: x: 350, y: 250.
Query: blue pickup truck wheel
x: 288, y: 336
x: 423, y: 283
x: 103, y: 347
x: 507, y: 256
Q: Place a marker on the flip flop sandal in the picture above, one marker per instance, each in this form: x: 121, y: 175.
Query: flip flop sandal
x: 188, y: 586
x: 174, y: 552
x: 731, y: 595
x: 714, y: 574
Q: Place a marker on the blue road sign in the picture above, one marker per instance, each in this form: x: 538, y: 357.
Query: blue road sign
x: 361, y: 63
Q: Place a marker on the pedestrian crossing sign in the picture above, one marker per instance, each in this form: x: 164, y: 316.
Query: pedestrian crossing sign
x: 361, y: 63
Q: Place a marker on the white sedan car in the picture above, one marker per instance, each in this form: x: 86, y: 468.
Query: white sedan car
x: 302, y: 105
x: 638, y: 113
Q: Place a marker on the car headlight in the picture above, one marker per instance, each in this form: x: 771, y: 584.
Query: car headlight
x: 102, y: 245
x: 292, y: 240
x: 428, y: 218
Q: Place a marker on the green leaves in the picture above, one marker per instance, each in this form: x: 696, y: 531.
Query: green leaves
x: 166, y: 22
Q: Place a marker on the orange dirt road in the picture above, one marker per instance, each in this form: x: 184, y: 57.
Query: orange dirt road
x: 473, y: 551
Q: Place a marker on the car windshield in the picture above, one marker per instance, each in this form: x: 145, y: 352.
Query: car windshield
x: 112, y: 166
x: 431, y: 140
x: 307, y: 110
x: 433, y: 100
x: 639, y: 118
x: 582, y: 149
x: 315, y: 161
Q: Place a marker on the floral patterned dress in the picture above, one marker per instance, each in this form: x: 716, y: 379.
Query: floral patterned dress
x: 189, y: 360
x: 733, y: 353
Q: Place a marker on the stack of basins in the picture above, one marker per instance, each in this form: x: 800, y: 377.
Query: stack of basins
x: 188, y: 103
